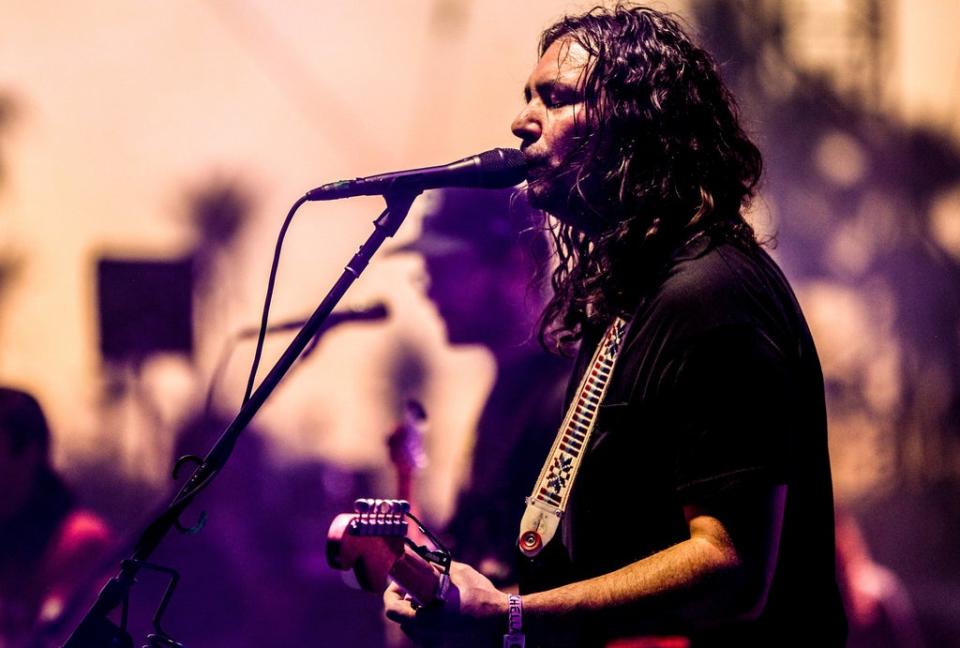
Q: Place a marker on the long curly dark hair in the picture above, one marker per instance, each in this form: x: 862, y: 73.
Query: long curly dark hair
x: 662, y: 158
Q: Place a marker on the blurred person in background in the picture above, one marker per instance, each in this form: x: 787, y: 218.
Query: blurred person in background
x: 879, y: 610
x: 51, y: 551
x: 483, y: 255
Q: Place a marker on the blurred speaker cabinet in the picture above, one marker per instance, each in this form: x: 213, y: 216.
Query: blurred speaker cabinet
x: 145, y: 307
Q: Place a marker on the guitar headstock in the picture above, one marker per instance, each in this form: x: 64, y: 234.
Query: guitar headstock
x: 380, y: 517
x: 371, y: 542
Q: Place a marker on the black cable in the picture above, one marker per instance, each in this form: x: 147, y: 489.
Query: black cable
x: 266, y: 302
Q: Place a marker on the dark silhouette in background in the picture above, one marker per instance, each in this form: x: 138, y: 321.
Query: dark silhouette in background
x: 51, y: 550
x: 9, y: 263
x: 255, y: 574
x: 879, y: 611
x: 7, y: 112
x: 483, y: 252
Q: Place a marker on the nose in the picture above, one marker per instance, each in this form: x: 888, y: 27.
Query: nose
x: 526, y: 125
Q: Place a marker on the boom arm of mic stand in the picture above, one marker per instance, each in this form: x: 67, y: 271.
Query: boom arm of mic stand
x: 91, y: 633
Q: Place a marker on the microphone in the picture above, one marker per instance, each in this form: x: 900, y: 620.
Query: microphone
x: 374, y: 312
x: 498, y: 168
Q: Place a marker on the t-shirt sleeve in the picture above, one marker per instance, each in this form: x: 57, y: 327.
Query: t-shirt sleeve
x: 729, y: 410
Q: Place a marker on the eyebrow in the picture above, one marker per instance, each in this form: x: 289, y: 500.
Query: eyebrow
x: 546, y: 87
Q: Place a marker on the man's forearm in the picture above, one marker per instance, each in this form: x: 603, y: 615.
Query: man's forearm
x: 690, y: 584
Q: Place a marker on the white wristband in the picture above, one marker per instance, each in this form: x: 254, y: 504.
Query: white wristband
x: 514, y: 637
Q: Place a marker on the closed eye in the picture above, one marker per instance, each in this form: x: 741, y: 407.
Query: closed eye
x: 559, y: 95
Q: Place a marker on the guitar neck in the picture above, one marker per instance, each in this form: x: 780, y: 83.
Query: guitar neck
x: 418, y: 578
x: 404, y: 484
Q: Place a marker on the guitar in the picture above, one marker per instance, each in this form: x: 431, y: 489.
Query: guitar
x: 372, y: 542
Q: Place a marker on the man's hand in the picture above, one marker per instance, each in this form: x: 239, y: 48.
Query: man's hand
x: 473, y: 612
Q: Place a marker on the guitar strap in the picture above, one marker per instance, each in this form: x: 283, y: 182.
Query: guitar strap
x: 546, y: 504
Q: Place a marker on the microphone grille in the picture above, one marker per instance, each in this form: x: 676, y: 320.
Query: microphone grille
x: 500, y: 158
x: 501, y: 168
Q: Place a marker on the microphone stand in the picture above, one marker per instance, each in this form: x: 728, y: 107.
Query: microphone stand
x: 95, y: 629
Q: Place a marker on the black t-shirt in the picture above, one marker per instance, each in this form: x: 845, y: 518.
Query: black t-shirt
x: 718, y: 390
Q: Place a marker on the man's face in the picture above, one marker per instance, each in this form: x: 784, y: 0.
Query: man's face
x: 481, y: 300
x: 459, y: 286
x: 550, y: 123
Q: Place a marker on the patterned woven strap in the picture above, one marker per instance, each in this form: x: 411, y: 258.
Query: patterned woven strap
x: 546, y: 504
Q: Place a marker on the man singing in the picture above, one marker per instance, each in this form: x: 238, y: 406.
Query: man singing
x: 700, y: 502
